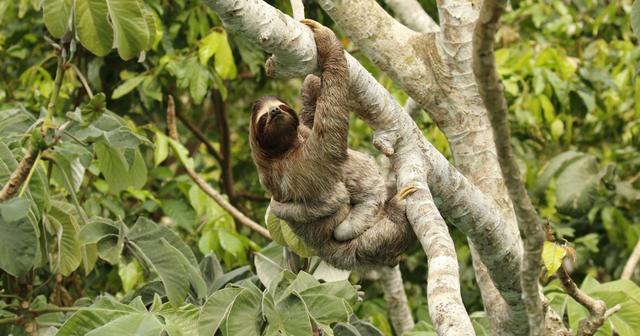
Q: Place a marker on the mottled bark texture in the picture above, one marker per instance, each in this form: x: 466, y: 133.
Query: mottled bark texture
x: 532, y: 226
x: 393, y: 288
x: 435, y: 69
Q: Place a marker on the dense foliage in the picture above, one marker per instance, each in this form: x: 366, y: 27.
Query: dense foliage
x: 109, y: 234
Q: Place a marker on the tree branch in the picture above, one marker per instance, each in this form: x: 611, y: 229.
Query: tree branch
x: 396, y: 298
x: 598, y: 312
x: 631, y: 264
x: 204, y: 186
x: 411, y: 13
x: 491, y: 91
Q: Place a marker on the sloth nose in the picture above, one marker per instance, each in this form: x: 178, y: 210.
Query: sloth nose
x: 274, y: 111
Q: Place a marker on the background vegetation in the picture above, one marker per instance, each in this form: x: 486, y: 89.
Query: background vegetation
x: 110, y: 220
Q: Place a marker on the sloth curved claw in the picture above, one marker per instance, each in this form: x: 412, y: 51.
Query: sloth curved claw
x: 405, y: 192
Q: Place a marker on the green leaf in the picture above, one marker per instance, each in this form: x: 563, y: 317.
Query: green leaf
x: 92, y: 110
x: 178, y: 210
x: 161, y: 148
x: 577, y: 184
x: 231, y: 243
x: 63, y: 217
x: 552, y: 168
x: 128, y: 86
x: 19, y: 246
x: 130, y: 274
x: 289, y: 314
x: 93, y: 26
x: 216, y: 43
x: 181, y: 152
x: 552, y: 257
x: 131, y: 324
x: 181, y: 321
x: 283, y: 235
x: 113, y: 166
x: 148, y: 231
x: 131, y: 33
x: 14, y: 209
x: 56, y: 15
x: 104, y: 310
x: 635, y: 17
x: 198, y: 77
x: 163, y: 259
x: 96, y: 229
x: 215, y: 310
x: 244, y: 316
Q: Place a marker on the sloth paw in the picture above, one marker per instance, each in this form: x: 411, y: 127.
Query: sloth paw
x: 326, y: 41
x: 405, y: 192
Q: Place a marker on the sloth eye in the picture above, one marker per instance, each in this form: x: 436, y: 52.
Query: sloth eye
x: 285, y: 107
x: 262, y: 121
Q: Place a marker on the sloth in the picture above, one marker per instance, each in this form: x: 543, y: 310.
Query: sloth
x: 332, y: 197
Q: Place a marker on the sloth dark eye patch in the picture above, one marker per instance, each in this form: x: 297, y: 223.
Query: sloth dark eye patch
x: 262, y: 121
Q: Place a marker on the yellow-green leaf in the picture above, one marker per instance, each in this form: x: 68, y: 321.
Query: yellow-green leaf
x: 552, y: 256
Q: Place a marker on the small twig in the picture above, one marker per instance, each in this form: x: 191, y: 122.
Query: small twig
x: 171, y: 118
x: 252, y: 197
x: 19, y: 176
x: 598, y: 312
x: 225, y: 144
x: 204, y: 186
x: 10, y: 320
x: 198, y: 133
x: 83, y: 80
x: 631, y: 264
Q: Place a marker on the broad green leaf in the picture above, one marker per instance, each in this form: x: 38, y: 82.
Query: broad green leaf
x: 577, y: 184
x: 56, y: 15
x: 63, y: 217
x: 327, y: 308
x: 93, y: 26
x: 274, y: 224
x: 138, y: 170
x: 216, y: 44
x: 96, y: 229
x: 113, y: 166
x: 104, y: 310
x: 289, y: 314
x: 164, y: 260
x: 14, y: 209
x: 145, y: 230
x: 181, y: 321
x: 552, y: 256
x: 138, y: 324
x: 198, y: 77
x: 266, y: 269
x: 128, y: 86
x: 178, y: 210
x: 244, y: 317
x: 19, y: 246
x: 215, y: 310
x: 231, y: 243
x: 283, y: 235
x: 131, y: 33
x: 552, y: 168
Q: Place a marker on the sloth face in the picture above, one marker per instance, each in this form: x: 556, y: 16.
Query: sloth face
x: 274, y: 125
